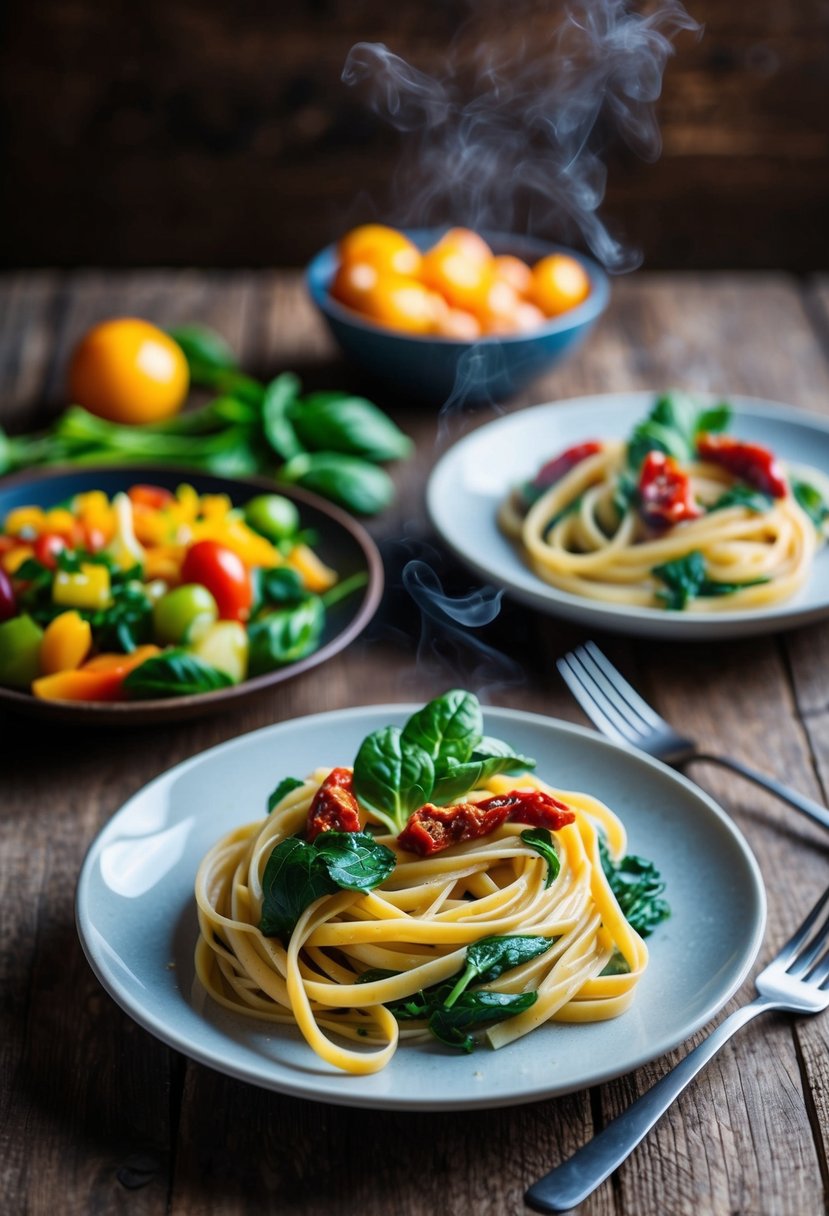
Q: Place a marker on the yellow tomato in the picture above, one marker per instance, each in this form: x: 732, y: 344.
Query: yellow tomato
x: 380, y: 246
x: 354, y: 284
x: 515, y: 272
x: 497, y: 313
x: 457, y: 324
x: 129, y: 371
x: 461, y: 269
x: 402, y: 303
x: 559, y: 284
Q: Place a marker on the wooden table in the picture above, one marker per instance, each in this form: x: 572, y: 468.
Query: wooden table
x: 97, y: 1116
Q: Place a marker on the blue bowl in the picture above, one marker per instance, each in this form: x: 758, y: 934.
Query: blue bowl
x: 442, y: 370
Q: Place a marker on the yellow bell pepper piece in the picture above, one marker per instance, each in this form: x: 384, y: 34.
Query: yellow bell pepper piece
x: 59, y: 520
x: 66, y: 643
x: 88, y: 588
x: 253, y: 549
x: 23, y: 520
x: 14, y: 558
x: 316, y: 576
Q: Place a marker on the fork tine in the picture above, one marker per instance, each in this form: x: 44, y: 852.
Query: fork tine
x: 594, y: 702
x: 621, y: 687
x: 806, y: 957
x: 819, y: 973
x: 794, y: 946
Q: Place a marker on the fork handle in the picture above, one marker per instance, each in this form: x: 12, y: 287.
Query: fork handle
x: 570, y: 1183
x: 799, y: 801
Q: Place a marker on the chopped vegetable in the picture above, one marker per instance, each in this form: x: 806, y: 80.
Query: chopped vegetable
x: 665, y: 494
x: 20, y: 641
x: 750, y: 461
x: 66, y: 643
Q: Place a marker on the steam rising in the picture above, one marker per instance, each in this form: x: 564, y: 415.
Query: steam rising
x: 512, y: 135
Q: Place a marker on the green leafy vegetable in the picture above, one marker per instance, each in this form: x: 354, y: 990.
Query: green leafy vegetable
x: 280, y: 395
x: 490, y: 957
x: 673, y: 425
x: 685, y: 578
x: 451, y: 1024
x: 282, y: 790
x: 340, y: 422
x: 206, y: 352
x: 285, y: 636
x: 174, y: 673
x: 277, y: 587
x: 638, y: 888
x: 741, y: 495
x: 298, y: 872
x: 392, y: 777
x: 812, y: 501
x: 352, y: 482
x: 541, y: 839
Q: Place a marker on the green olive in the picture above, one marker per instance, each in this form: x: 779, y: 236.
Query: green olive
x: 181, y: 614
x: 272, y: 516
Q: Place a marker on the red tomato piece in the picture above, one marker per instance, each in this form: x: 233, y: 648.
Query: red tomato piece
x: 334, y: 808
x: 225, y: 576
x: 8, y: 605
x: 749, y: 461
x: 665, y: 494
x: 556, y: 468
x: 47, y: 547
x: 155, y: 497
x: 434, y: 828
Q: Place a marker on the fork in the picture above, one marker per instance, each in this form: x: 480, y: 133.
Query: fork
x: 796, y: 980
x: 617, y: 711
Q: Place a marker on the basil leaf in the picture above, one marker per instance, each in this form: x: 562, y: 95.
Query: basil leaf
x: 285, y: 786
x: 207, y: 353
x: 354, y: 425
x: 541, y: 839
x: 741, y: 495
x: 352, y: 482
x: 174, y: 673
x: 451, y: 1025
x: 285, y: 636
x: 810, y: 499
x: 392, y: 779
x: 298, y: 872
x: 280, y: 395
x: 448, y: 727
x: 279, y: 585
x: 355, y: 860
x: 638, y: 887
x: 714, y: 419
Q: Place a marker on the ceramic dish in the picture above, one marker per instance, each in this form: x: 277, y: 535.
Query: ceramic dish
x: 343, y: 544
x: 433, y: 368
x: 137, y: 920
x: 470, y: 480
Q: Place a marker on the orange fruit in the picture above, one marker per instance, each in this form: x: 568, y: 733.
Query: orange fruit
x: 402, y: 303
x: 515, y: 272
x: 380, y: 246
x: 500, y: 306
x: 128, y: 370
x: 559, y: 284
x: 460, y: 269
x: 457, y: 324
x: 354, y: 284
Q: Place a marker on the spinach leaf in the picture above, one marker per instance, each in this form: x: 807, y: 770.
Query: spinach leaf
x: 812, y: 502
x: 206, y: 352
x: 638, y: 888
x: 490, y: 756
x: 340, y: 422
x: 285, y: 636
x: 672, y: 426
x: 285, y: 786
x: 392, y: 778
x: 741, y: 495
x: 298, y: 872
x: 277, y: 586
x: 280, y: 395
x: 541, y: 839
x: 451, y: 1024
x: 448, y: 727
x: 174, y: 673
x: 617, y: 964
x: 352, y: 482
x: 490, y: 957
x: 685, y: 578
x: 626, y: 493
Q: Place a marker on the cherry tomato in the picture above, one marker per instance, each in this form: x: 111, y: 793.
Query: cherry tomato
x: 225, y: 576
x: 498, y: 314
x: 460, y: 270
x: 154, y: 497
x: 94, y: 538
x: 402, y: 303
x: 515, y: 272
x: 385, y: 248
x: 559, y: 284
x: 272, y: 516
x: 457, y: 324
x: 129, y: 371
x: 182, y: 613
x: 47, y: 548
x: 353, y: 284
x: 8, y: 606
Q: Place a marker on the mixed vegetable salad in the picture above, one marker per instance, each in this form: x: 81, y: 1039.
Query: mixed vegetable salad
x: 157, y: 594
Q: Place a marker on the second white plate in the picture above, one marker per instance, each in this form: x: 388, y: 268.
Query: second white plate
x: 137, y: 919
x: 470, y: 480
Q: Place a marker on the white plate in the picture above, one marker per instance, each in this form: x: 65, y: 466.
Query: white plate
x: 470, y: 480
x: 137, y: 920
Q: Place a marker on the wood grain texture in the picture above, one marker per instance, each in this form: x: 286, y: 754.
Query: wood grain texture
x: 96, y: 1116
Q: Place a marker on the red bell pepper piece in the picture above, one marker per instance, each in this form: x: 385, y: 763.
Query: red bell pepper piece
x: 751, y: 462
x: 334, y: 808
x: 431, y: 829
x: 556, y: 468
x: 665, y: 494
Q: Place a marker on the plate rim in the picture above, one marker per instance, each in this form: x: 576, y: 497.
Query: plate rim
x: 622, y: 618
x: 326, y: 1091
x: 157, y: 709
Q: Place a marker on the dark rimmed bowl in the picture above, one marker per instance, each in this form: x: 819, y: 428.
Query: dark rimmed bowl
x: 343, y: 544
x: 436, y: 370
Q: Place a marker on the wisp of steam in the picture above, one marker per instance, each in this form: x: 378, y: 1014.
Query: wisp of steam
x: 512, y: 134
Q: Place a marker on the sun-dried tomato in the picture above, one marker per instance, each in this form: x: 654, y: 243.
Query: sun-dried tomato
x: 751, y: 462
x: 334, y: 808
x: 665, y: 493
x: 556, y: 468
x: 431, y: 829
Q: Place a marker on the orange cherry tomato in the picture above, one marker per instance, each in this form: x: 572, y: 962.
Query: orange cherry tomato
x: 515, y: 272
x: 402, y: 303
x: 383, y: 247
x: 154, y: 497
x: 127, y: 370
x: 457, y: 324
x: 354, y: 284
x: 500, y: 306
x: 225, y: 576
x: 467, y: 242
x: 459, y: 270
x: 528, y: 317
x: 559, y: 284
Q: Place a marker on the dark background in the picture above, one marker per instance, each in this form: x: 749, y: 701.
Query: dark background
x: 217, y: 132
